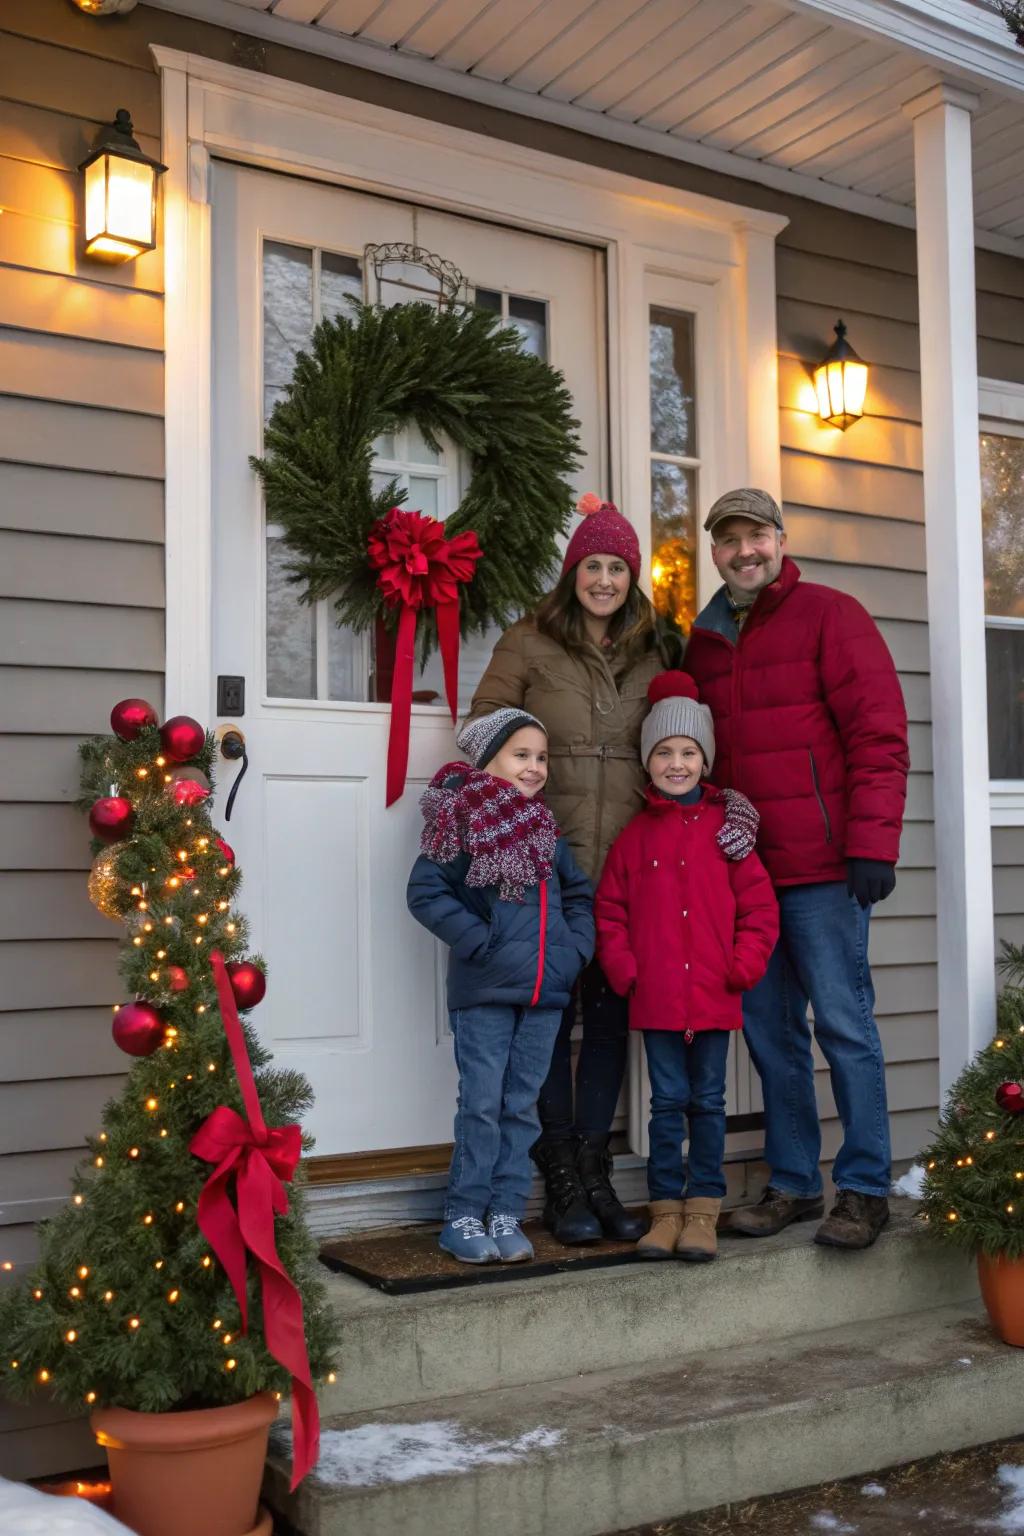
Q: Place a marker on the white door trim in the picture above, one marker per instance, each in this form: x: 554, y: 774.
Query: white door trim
x: 211, y: 109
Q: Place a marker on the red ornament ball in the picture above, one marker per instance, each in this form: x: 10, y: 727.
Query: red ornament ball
x: 181, y: 738
x: 112, y: 818
x: 227, y: 852
x: 130, y: 717
x: 138, y: 1029
x: 1010, y: 1098
x: 248, y: 983
x: 188, y: 786
x: 177, y: 978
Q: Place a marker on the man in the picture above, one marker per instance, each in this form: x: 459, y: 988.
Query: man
x: 811, y: 726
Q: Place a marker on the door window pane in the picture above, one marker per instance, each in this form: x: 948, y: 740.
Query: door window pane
x: 530, y: 318
x: 287, y: 315
x: 674, y: 541
x: 291, y: 631
x: 673, y: 427
x: 341, y: 281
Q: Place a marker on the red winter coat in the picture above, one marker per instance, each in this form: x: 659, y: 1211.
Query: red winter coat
x: 810, y: 724
x: 686, y: 927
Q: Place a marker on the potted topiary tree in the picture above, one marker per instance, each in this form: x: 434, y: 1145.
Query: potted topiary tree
x: 974, y: 1167
x: 130, y: 1311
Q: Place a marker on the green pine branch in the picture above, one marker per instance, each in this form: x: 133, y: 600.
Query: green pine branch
x: 974, y: 1167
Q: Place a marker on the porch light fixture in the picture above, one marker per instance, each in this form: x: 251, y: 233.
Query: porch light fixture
x: 841, y: 381
x: 120, y: 194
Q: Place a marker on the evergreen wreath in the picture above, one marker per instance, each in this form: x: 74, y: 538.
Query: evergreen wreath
x: 457, y: 373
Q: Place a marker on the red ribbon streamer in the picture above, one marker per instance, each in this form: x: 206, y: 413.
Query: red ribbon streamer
x: 419, y: 568
x: 262, y: 1161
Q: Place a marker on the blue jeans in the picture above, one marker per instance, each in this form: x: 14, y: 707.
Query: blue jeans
x: 687, y: 1085
x: 600, y: 1068
x: 503, y: 1055
x: 821, y: 958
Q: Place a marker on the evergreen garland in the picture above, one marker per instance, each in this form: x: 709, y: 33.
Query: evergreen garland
x: 457, y: 374
x: 1012, y: 12
x: 974, y: 1167
x: 68, y: 1325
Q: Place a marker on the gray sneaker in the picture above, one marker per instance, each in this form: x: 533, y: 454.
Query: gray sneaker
x: 509, y: 1238
x: 465, y: 1239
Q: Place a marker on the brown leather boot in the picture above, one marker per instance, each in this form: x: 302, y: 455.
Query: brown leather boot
x: 698, y: 1241
x: 773, y: 1212
x: 854, y: 1221
x: 666, y: 1225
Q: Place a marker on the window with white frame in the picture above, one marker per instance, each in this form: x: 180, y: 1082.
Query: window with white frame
x: 1001, y: 457
x: 674, y: 462
x: 1002, y: 525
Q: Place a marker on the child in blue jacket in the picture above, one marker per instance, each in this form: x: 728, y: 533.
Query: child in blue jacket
x: 497, y: 883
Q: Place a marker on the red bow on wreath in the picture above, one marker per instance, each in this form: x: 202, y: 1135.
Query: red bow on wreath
x: 419, y: 568
x: 262, y: 1161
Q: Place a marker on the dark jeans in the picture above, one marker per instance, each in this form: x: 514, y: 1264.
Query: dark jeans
x: 502, y: 1054
x: 821, y: 959
x: 687, y: 1090
x: 600, y: 1068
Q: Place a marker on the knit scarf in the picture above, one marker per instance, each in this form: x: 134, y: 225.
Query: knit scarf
x: 510, y: 839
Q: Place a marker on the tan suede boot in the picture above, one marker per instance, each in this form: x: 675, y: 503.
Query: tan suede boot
x: 698, y: 1241
x: 666, y: 1226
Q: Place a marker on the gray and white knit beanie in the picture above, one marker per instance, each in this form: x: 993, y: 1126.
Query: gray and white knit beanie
x: 482, y: 739
x: 676, y: 711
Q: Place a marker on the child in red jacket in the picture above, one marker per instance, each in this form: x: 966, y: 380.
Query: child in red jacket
x: 683, y: 932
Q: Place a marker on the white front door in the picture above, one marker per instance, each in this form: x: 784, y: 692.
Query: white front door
x: 355, y: 995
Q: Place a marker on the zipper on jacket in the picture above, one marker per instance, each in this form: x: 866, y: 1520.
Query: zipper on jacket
x: 602, y: 758
x: 535, y: 999
x: 823, y: 808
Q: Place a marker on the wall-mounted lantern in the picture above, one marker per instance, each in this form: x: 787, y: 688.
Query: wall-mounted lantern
x: 120, y: 194
x: 841, y: 382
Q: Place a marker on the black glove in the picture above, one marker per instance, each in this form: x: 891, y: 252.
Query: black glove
x: 870, y: 880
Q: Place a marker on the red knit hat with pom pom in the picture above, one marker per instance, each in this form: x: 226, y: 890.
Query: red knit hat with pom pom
x: 603, y: 531
x: 676, y: 710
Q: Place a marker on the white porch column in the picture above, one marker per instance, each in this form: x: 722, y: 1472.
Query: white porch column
x: 956, y: 615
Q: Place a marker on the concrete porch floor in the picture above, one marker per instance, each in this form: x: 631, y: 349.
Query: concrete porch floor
x: 585, y: 1404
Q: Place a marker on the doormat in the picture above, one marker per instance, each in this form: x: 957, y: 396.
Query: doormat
x: 401, y: 1263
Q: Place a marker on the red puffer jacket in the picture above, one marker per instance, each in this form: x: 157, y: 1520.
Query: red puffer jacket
x: 810, y: 724
x: 686, y: 927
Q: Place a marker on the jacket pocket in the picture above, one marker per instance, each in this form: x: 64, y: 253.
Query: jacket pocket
x: 823, y: 808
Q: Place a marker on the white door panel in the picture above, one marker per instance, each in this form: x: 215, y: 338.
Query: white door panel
x: 355, y: 995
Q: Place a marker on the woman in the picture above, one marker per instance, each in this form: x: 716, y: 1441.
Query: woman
x: 581, y: 663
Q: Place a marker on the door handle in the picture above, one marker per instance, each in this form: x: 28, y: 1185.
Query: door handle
x: 232, y: 746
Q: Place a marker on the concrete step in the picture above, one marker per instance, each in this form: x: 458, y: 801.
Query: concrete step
x: 594, y: 1453
x: 409, y: 1349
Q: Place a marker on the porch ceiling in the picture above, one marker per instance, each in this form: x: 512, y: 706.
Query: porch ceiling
x: 805, y: 94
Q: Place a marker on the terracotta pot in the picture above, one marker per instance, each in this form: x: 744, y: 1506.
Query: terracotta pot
x: 196, y: 1473
x: 1002, y: 1291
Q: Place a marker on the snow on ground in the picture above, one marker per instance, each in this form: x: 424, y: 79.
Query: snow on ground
x: 911, y: 1184
x: 26, y: 1512
x: 398, y: 1453
x: 873, y: 1491
x: 1011, y: 1481
x: 823, y: 1521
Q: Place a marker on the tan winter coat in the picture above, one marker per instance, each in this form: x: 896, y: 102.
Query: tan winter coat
x: 593, y: 713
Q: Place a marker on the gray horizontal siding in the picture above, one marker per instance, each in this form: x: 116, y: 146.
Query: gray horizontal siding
x: 81, y: 613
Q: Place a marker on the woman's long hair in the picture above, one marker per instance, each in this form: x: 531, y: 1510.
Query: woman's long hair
x: 632, y: 629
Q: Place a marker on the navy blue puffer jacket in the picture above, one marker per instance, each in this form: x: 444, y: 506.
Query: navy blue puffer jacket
x: 500, y: 950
